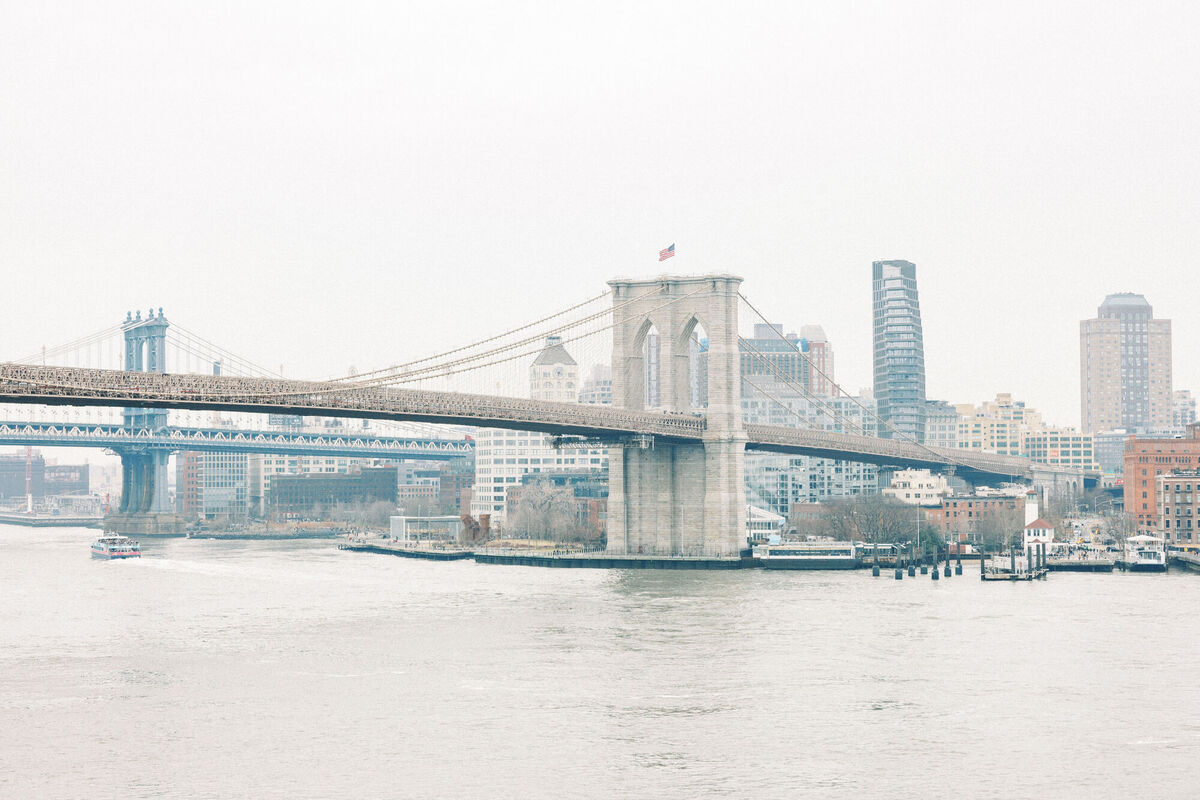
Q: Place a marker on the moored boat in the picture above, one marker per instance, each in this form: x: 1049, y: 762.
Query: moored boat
x: 1145, y: 553
x: 113, y: 547
x: 807, y: 555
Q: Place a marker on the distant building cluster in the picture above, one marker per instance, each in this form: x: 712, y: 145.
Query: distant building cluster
x: 43, y: 479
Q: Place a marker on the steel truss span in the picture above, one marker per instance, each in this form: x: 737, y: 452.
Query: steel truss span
x: 59, y: 434
x: 75, y: 386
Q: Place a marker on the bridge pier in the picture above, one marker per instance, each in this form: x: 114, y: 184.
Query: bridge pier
x: 144, y: 482
x: 674, y: 498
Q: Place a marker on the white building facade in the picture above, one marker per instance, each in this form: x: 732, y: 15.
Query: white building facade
x: 918, y: 487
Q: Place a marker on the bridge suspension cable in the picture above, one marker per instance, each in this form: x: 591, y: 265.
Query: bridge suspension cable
x: 442, y: 371
x: 791, y: 382
x: 838, y: 388
x: 67, y: 347
x: 481, y: 342
x: 195, y: 340
x: 331, y: 387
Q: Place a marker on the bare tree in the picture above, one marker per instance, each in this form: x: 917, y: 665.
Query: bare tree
x: 870, y: 518
x: 545, y: 511
x: 1119, y: 527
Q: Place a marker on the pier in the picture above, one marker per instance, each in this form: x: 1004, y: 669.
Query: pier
x: 429, y: 554
x: 50, y: 520
x: 1189, y: 561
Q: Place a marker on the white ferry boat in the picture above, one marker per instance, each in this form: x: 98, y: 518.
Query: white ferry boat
x: 1145, y: 553
x: 807, y: 555
x: 110, y: 547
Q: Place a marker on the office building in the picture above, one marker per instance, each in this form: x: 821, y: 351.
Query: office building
x: 804, y: 359
x: 317, y: 493
x: 13, y: 474
x: 899, y: 350
x: 1183, y: 408
x: 1125, y: 366
x: 597, y: 386
x: 212, y: 484
x: 941, y: 424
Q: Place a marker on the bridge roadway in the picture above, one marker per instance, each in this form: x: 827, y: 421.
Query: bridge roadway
x: 78, y: 386
x: 58, y: 434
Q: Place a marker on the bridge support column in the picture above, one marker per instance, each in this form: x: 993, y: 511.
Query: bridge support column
x: 675, y: 498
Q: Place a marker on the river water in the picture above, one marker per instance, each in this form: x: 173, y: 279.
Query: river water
x: 294, y: 670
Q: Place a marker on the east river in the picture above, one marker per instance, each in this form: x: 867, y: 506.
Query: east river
x: 293, y: 670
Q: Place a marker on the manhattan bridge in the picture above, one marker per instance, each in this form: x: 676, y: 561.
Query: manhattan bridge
x: 676, y: 466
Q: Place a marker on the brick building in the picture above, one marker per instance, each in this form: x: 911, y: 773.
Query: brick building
x: 1145, y: 461
x: 298, y: 494
x: 962, y: 516
x: 1178, y: 509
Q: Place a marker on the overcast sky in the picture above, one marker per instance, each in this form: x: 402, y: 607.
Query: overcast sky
x: 337, y: 184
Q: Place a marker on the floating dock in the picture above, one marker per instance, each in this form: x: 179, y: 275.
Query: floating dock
x: 601, y: 561
x: 1080, y: 564
x: 50, y: 520
x: 408, y: 552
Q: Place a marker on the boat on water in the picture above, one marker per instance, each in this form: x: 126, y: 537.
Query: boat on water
x: 807, y: 555
x: 113, y: 547
x: 1145, y: 553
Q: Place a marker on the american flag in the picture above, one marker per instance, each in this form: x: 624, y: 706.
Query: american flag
x: 664, y: 254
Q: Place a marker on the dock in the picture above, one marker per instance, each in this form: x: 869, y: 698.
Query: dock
x: 1013, y: 567
x: 1080, y: 564
x: 601, y: 561
x: 428, y: 554
x: 1186, y: 560
x: 49, y: 520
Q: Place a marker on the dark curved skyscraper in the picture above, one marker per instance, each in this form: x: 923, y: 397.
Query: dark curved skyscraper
x: 899, y: 348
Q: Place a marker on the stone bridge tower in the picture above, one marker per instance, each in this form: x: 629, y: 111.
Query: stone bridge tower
x: 678, y: 499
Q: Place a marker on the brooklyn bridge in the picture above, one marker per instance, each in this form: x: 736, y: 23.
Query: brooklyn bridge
x: 676, y: 470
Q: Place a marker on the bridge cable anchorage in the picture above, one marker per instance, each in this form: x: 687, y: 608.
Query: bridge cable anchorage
x: 789, y: 381
x: 838, y: 388
x: 567, y: 310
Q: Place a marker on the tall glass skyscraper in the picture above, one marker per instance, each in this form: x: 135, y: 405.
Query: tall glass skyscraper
x: 899, y: 348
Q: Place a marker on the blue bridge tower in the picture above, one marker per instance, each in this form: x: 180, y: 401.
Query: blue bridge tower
x: 144, y: 469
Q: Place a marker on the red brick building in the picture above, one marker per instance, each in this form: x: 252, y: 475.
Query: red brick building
x: 1145, y: 460
x: 962, y: 515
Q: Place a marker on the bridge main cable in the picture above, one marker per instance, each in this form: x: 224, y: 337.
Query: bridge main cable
x: 490, y: 339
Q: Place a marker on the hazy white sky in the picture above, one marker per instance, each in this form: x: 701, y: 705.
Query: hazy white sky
x: 336, y: 184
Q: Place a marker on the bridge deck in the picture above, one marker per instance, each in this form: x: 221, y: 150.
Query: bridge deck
x: 231, y: 440
x: 79, y: 386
